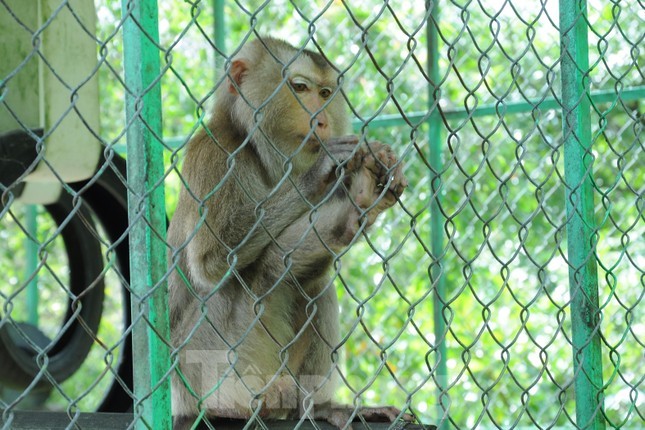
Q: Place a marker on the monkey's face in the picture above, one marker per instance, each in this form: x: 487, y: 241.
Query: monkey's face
x: 287, y: 100
x: 309, y: 106
x: 310, y: 100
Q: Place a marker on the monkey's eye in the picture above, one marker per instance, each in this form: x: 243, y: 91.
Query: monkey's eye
x: 325, y: 93
x: 299, y: 85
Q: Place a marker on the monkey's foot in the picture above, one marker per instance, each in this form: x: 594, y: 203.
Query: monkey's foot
x: 340, y: 416
x: 378, y: 181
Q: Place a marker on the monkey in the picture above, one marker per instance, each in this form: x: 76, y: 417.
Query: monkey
x: 275, y: 191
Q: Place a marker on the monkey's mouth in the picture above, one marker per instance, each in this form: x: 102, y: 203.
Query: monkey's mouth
x: 312, y: 142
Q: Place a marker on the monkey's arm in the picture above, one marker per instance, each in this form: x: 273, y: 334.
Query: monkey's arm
x: 307, y: 247
x: 238, y: 226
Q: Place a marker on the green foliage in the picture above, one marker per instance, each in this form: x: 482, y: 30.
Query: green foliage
x: 502, y: 196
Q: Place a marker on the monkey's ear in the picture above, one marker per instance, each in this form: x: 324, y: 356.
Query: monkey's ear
x: 237, y: 73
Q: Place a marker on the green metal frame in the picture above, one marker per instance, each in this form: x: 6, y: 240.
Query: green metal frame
x: 438, y: 280
x: 31, y: 265
x: 145, y: 170
x: 581, y: 232
x: 151, y: 334
x: 147, y: 216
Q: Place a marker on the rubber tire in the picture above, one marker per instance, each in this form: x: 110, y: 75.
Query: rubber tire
x: 18, y: 359
x: 106, y: 195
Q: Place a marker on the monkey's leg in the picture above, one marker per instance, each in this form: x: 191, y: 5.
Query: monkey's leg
x: 307, y: 247
x: 291, y: 281
x: 230, y: 357
x: 321, y: 373
x: 271, y: 353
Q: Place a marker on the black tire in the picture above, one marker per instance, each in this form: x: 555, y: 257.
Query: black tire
x: 108, y: 199
x: 105, y: 197
x: 19, y: 363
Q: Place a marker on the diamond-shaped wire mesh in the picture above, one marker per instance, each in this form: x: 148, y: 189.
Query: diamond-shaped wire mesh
x: 496, y: 272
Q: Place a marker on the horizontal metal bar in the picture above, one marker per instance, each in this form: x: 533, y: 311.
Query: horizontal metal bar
x: 627, y: 95
x: 501, y: 107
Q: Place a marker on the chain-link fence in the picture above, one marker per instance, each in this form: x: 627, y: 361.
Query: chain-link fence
x: 503, y: 289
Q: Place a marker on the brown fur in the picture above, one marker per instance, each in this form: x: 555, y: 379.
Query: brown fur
x: 255, y: 232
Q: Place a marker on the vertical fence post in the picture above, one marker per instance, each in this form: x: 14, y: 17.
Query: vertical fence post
x: 31, y: 265
x: 220, y: 25
x: 219, y: 36
x: 436, y: 218
x: 578, y: 163
x: 146, y: 214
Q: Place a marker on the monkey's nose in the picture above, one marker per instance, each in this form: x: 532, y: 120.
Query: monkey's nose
x: 321, y: 120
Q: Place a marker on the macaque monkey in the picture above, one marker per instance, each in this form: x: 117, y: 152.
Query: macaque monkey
x: 275, y: 191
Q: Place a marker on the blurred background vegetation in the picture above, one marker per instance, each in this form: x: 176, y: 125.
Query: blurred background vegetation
x: 502, y: 197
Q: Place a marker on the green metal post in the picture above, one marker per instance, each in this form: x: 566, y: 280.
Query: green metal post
x: 219, y: 36
x: 436, y: 219
x: 578, y: 164
x: 220, y: 25
x: 31, y: 248
x: 147, y: 218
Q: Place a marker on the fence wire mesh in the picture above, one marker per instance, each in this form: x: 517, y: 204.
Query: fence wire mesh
x: 455, y: 306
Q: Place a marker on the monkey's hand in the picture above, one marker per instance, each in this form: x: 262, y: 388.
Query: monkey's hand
x: 378, y: 179
x: 330, y: 165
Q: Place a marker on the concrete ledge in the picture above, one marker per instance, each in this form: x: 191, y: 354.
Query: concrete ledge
x: 36, y: 420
